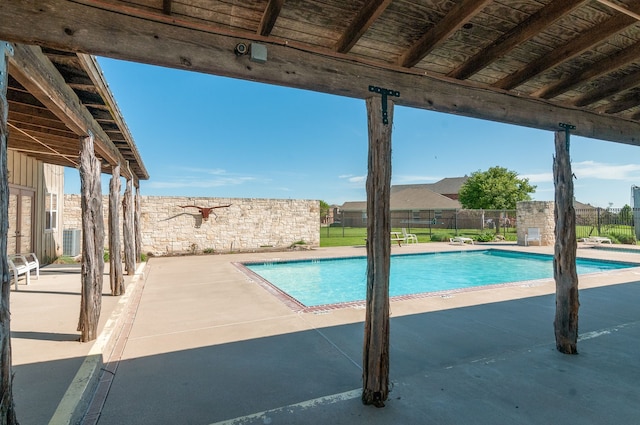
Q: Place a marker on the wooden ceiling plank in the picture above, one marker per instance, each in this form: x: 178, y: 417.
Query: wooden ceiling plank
x: 531, y: 26
x: 47, y: 147
x: 269, y: 17
x: 76, y: 26
x: 34, y: 71
x: 575, y: 47
x: 459, y: 15
x: 360, y: 24
x: 21, y: 117
x: 603, y: 67
x: 617, y: 85
x: 628, y: 101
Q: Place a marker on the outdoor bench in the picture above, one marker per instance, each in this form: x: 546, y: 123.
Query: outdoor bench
x: 23, y: 264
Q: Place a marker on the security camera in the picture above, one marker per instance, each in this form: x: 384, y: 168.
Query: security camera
x: 241, y: 49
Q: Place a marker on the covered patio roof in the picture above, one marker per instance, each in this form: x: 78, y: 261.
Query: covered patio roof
x: 54, y: 97
x: 533, y: 62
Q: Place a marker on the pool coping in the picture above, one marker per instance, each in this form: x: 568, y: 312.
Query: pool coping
x: 298, y: 307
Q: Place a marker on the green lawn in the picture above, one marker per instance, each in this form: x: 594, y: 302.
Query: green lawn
x: 352, y: 236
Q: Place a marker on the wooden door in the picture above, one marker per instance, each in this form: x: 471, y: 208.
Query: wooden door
x: 21, y: 216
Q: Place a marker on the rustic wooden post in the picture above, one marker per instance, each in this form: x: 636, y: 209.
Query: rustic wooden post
x: 116, y: 280
x: 137, y: 225
x: 564, y: 260
x: 128, y: 232
x: 375, y: 359
x: 7, y: 408
x: 92, y: 241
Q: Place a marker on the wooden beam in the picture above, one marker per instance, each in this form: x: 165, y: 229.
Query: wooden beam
x: 7, y: 405
x: 516, y: 36
x: 90, y: 66
x: 137, y: 224
x: 360, y: 24
x: 609, y: 89
x: 92, y: 242
x: 108, y: 33
x: 116, y: 279
x: 564, y: 259
x: 375, y: 361
x: 269, y: 17
x: 621, y: 9
x: 573, y: 48
x: 461, y: 13
x: 128, y: 231
x: 603, y: 67
x: 38, y: 75
x: 166, y: 7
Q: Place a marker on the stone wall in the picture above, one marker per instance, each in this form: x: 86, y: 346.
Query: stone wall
x: 247, y: 224
x: 536, y: 214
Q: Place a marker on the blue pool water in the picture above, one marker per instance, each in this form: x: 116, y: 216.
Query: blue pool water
x: 331, y: 281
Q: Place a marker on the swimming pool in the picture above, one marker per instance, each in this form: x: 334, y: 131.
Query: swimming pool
x: 336, y: 281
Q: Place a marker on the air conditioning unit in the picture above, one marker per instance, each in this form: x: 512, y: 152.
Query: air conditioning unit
x: 71, y: 242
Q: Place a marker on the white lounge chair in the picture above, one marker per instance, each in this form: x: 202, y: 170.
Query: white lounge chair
x: 398, y: 237
x: 459, y: 240
x: 533, y: 234
x: 597, y: 240
x: 409, y: 237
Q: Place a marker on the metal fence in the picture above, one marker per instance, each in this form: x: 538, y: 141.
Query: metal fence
x: 618, y: 224
x: 440, y: 221
x: 615, y: 223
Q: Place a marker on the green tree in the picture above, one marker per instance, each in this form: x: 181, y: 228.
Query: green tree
x: 324, y: 211
x: 625, y: 214
x: 494, y: 189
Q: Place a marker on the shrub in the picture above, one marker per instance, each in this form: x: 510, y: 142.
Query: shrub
x: 624, y: 238
x: 441, y: 237
x: 485, y: 237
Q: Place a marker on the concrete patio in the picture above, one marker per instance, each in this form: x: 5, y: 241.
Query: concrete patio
x: 195, y: 341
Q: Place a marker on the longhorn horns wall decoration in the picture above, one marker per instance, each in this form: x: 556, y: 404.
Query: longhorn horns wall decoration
x: 205, y: 211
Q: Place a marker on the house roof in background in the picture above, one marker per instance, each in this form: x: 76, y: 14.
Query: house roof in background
x: 446, y: 186
x: 410, y: 197
x: 418, y: 198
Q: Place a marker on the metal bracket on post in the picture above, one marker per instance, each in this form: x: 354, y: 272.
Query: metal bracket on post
x: 384, y: 93
x: 567, y: 132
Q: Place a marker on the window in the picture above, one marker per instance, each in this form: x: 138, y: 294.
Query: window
x: 364, y: 217
x: 51, y: 211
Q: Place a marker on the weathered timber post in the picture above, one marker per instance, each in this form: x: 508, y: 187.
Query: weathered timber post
x: 116, y: 279
x: 138, y: 226
x: 375, y: 359
x: 564, y: 260
x: 92, y: 241
x: 128, y: 232
x: 7, y: 408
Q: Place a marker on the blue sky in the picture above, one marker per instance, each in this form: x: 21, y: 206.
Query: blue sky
x: 202, y: 135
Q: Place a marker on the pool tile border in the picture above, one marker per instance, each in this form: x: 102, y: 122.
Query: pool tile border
x: 298, y: 307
